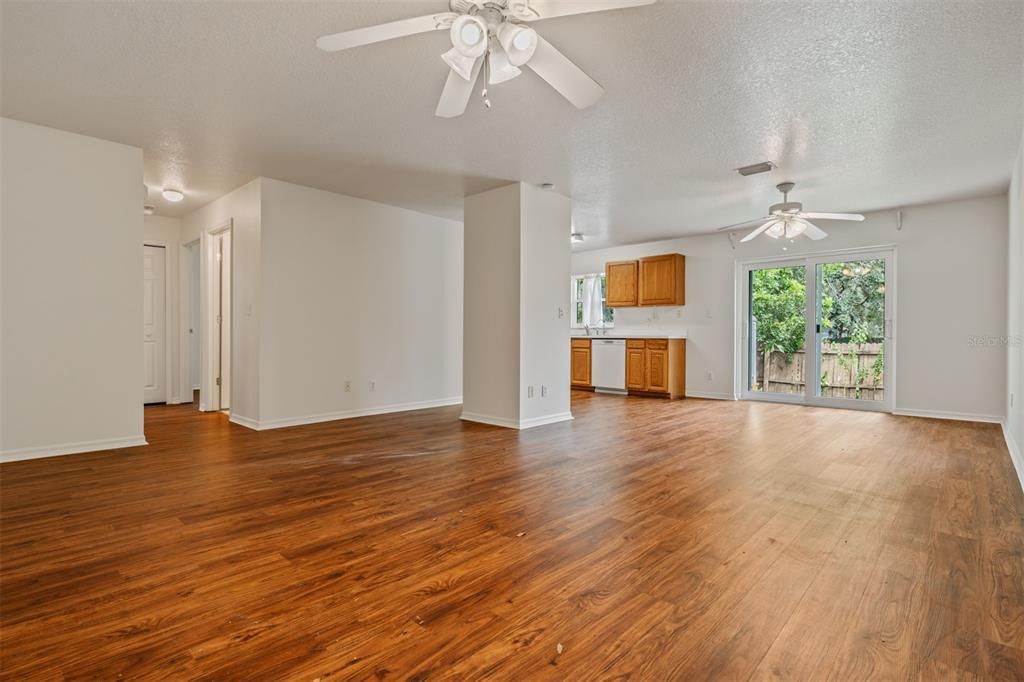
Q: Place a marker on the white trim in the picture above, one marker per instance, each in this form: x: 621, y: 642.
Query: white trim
x: 257, y: 425
x: 71, y: 448
x: 1016, y: 456
x: 170, y: 396
x: 244, y: 421
x: 955, y: 416
x: 708, y: 395
x: 487, y: 419
x: 543, y: 421
x: 516, y: 424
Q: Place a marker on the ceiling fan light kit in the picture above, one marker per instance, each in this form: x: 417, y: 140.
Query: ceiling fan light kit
x: 788, y: 219
x: 491, y: 33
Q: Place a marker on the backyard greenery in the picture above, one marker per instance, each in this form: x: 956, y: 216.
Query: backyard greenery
x: 852, y: 318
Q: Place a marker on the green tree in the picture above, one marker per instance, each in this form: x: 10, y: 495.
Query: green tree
x: 777, y: 298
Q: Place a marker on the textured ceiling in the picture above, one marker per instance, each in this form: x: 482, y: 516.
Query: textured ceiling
x: 864, y: 104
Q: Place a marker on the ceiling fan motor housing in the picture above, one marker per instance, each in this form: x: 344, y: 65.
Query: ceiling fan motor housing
x: 786, y: 207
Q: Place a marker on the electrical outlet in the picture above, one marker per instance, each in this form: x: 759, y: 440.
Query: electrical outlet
x: 709, y: 376
x: 373, y: 386
x: 348, y: 387
x: 529, y: 391
x: 679, y: 313
x: 543, y: 391
x: 561, y: 313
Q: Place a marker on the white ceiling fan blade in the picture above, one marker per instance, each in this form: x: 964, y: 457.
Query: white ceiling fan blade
x: 535, y: 10
x: 564, y: 76
x: 745, y: 223
x: 456, y: 93
x: 759, y: 230
x: 813, y: 231
x: 833, y: 216
x: 381, y: 32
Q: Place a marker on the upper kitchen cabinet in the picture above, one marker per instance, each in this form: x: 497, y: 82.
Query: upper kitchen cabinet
x: 662, y: 280
x: 621, y: 283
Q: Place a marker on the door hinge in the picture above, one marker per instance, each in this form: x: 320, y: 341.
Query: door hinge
x: 218, y: 381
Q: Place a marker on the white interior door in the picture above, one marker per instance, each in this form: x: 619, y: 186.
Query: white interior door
x: 193, y: 316
x: 154, y: 316
x: 225, y: 320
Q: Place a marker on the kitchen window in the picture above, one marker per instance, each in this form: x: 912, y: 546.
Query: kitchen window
x: 588, y: 302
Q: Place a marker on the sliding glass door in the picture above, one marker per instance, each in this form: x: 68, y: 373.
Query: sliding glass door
x: 818, y: 330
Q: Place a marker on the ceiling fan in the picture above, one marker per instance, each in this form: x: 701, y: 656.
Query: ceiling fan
x: 492, y: 36
x: 789, y: 219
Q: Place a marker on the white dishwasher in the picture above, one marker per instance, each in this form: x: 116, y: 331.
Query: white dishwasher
x: 608, y: 370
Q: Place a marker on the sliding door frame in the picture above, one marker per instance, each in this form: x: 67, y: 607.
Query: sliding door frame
x: 810, y: 261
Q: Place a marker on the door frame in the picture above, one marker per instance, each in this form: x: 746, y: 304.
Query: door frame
x: 810, y: 262
x: 207, y: 316
x: 170, y: 397
x: 185, y: 316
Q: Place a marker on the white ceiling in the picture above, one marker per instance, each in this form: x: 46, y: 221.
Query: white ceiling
x: 864, y: 104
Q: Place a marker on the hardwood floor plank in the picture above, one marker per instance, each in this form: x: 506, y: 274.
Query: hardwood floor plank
x: 651, y: 539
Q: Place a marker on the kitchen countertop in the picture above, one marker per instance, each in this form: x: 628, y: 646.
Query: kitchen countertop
x: 620, y: 334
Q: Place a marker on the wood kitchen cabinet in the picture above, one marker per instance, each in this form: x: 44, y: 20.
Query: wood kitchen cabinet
x: 579, y: 363
x: 654, y: 280
x: 620, y: 281
x: 636, y: 376
x: 662, y: 280
x: 656, y: 367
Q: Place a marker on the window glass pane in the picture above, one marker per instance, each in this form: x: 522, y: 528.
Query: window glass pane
x: 776, y: 359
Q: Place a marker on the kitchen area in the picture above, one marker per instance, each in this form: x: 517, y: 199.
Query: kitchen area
x: 623, y: 361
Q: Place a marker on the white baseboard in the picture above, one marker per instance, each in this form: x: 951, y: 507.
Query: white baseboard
x: 707, y: 395
x: 955, y: 416
x: 259, y: 425
x: 41, y: 451
x: 542, y: 421
x: 1016, y: 456
x: 514, y: 423
x: 244, y: 421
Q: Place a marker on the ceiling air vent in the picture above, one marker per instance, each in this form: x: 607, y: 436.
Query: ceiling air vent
x: 756, y: 168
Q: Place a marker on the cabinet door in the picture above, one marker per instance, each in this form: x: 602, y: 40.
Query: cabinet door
x: 635, y: 376
x: 657, y: 369
x: 580, y: 366
x: 662, y: 280
x: 620, y: 284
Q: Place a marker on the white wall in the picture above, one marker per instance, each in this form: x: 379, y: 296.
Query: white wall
x: 1015, y: 319
x: 544, y: 335
x: 951, y: 289
x: 166, y: 232
x: 491, y: 314
x: 70, y: 292
x: 242, y: 208
x: 354, y: 290
x: 516, y: 355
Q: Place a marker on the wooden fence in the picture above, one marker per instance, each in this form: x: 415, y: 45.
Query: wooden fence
x: 848, y: 370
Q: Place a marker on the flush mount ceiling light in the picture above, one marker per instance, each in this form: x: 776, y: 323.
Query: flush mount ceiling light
x: 489, y: 35
x: 788, y: 219
x: 173, y: 195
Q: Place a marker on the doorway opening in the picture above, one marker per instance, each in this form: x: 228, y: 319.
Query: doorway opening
x: 819, y: 329
x: 192, y: 328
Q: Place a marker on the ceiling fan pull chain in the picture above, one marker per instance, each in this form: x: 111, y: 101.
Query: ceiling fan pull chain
x: 487, y: 78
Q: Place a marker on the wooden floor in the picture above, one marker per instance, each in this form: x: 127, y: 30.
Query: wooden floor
x: 691, y: 540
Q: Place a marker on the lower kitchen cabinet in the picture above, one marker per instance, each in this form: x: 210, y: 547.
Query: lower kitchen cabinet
x: 656, y: 367
x: 579, y: 363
